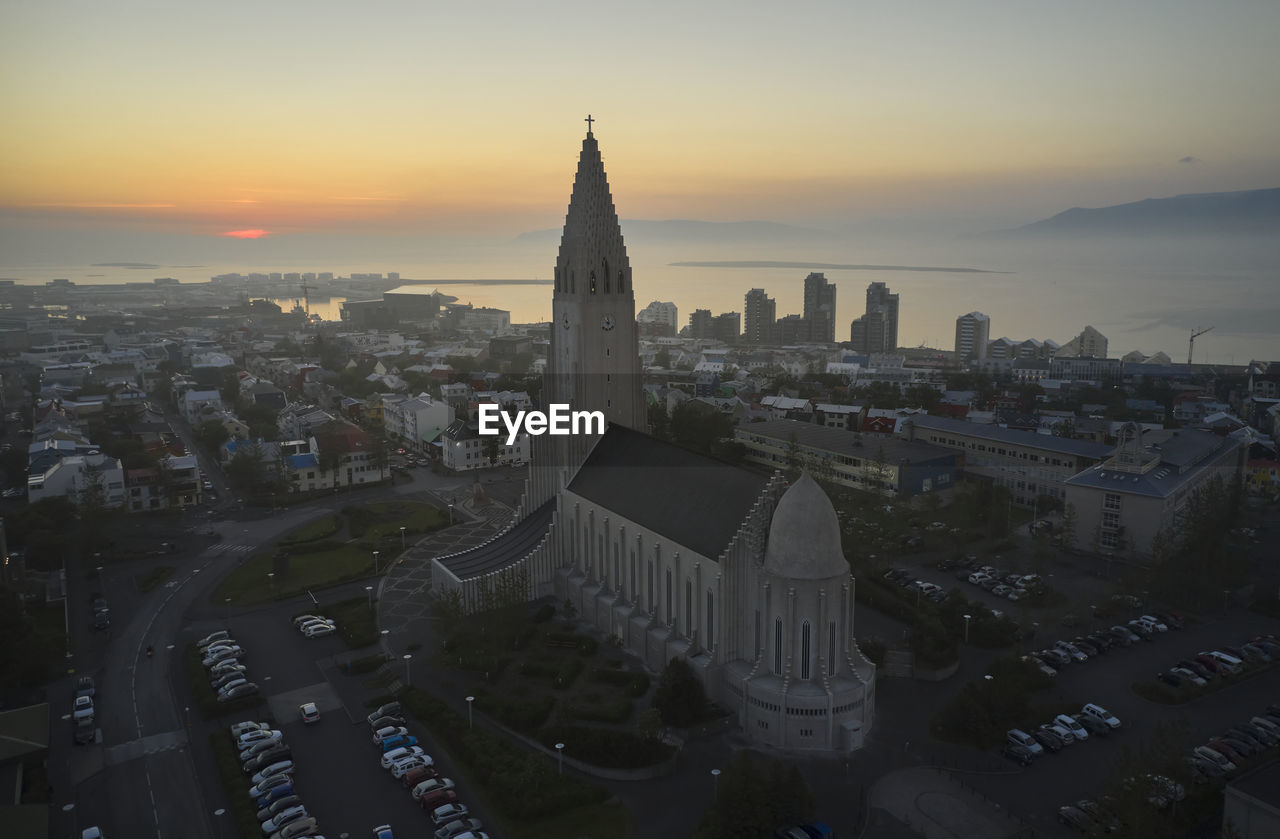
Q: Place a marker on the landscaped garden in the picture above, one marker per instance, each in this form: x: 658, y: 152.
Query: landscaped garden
x: 331, y: 550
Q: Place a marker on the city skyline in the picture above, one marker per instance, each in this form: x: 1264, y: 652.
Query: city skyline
x: 415, y: 120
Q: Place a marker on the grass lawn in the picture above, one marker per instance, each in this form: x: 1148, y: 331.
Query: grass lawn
x: 249, y: 583
x: 155, y: 578
x: 382, y: 521
x: 243, y: 808
x: 49, y: 623
x: 595, y: 821
x: 321, y: 528
x: 357, y: 623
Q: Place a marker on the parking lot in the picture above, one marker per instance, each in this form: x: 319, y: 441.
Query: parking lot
x: 338, y: 775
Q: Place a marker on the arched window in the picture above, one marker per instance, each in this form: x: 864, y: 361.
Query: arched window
x: 804, y: 650
x: 606, y: 276
x: 622, y: 283
x: 777, y: 646
x: 573, y: 282
x: 592, y: 285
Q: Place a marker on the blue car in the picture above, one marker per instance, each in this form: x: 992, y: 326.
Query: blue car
x: 383, y: 832
x: 275, y: 793
x: 396, y: 742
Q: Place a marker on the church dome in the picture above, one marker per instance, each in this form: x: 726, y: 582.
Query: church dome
x: 804, y: 536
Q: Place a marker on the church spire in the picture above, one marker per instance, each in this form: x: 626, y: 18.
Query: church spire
x: 593, y: 258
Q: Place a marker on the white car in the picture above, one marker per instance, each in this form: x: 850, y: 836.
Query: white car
x: 1061, y: 732
x: 1215, y: 757
x: 245, y: 727
x: 259, y: 734
x: 234, y: 683
x: 218, y: 655
x: 1155, y: 622
x: 310, y: 713
x: 977, y: 577
x: 219, y: 637
x: 301, y: 619
x: 318, y: 630
x: 447, y: 813
x: 1073, y: 725
x: 1022, y: 738
x: 404, y: 751
x: 431, y: 785
x: 303, y: 627
x: 83, y: 708
x: 282, y: 818
x: 405, y: 764
x: 458, y: 827
x: 1100, y: 713
x: 389, y: 732
x: 259, y: 790
x: 283, y: 767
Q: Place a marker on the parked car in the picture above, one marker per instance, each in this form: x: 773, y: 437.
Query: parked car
x: 1046, y: 738
x: 1197, y: 668
x: 1105, y: 818
x: 393, y: 755
x: 1021, y: 738
x: 432, y: 800
x: 1093, y: 725
x: 1077, y: 819
x: 431, y: 785
x: 305, y: 826
x: 84, y: 732
x: 261, y: 789
x: 383, y: 832
x: 1018, y: 754
x: 1159, y: 625
x: 416, y: 776
x: 279, y: 820
x: 309, y: 712
x: 82, y: 708
x: 212, y: 638
x: 84, y: 686
x: 392, y: 743
x: 1098, y: 712
x: 447, y: 813
x: 281, y: 767
x: 406, y: 764
x: 1073, y: 725
x: 1072, y: 651
x: 316, y: 622
x: 387, y: 722
x: 216, y: 654
x: 1171, y: 679
x: 389, y: 732
x: 1127, y: 632
x: 275, y: 793
x: 302, y: 619
x: 1061, y: 732
x: 451, y: 830
x: 1215, y: 757
x: 247, y: 726
x: 247, y: 689
x: 387, y: 710
x: 1186, y: 675
x: 318, y: 630
x: 278, y: 806
x: 229, y: 680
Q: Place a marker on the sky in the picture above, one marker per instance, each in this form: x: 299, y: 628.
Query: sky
x: 449, y: 119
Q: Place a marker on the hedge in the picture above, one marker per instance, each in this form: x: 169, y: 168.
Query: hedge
x: 603, y: 710
x: 605, y: 747
x: 243, y: 808
x: 206, y: 698
x: 635, y: 684
x: 524, y: 713
x: 520, y: 784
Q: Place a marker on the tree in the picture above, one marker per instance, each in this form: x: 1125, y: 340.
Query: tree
x: 245, y: 471
x: 649, y: 724
x: 755, y: 796
x: 212, y: 434
x: 1069, y: 519
x: 680, y: 697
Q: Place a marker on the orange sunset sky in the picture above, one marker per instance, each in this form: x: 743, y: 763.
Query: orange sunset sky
x: 428, y: 117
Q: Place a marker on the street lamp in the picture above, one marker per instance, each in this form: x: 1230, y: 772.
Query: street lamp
x: 375, y: 562
x: 101, y: 587
x: 966, y: 627
x: 560, y: 754
x: 450, y: 515
x: 369, y: 589
x: 227, y: 601
x: 1226, y: 597
x: 271, y: 580
x: 402, y: 528
x: 988, y: 677
x: 470, y: 699
x: 407, y: 658
x: 715, y: 784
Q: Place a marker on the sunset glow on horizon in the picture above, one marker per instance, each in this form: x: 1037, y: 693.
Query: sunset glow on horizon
x: 245, y: 234
x: 818, y: 113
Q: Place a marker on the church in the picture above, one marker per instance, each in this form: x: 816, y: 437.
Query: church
x: 674, y: 553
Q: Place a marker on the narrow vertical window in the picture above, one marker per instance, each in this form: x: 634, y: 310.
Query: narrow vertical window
x: 804, y: 650
x: 670, y: 614
x: 757, y: 635
x: 711, y: 610
x: 833, y: 651
x: 777, y: 646
x: 688, y: 608
x: 650, y: 600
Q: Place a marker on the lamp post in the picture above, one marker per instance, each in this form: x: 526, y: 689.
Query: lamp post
x: 227, y: 601
x: 271, y: 580
x: 369, y: 590
x: 102, y: 588
x: 407, y: 658
x: 402, y: 528
x: 451, y: 515
x: 715, y: 784
x: 375, y: 562
x: 1226, y: 598
x: 560, y: 755
x: 470, y: 699
x: 966, y: 627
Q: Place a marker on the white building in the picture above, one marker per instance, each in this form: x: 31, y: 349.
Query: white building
x: 197, y: 404
x: 418, y: 421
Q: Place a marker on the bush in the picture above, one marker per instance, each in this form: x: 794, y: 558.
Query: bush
x: 874, y: 649
x: 635, y: 684
x: 525, y: 713
x: 568, y: 673
x: 227, y: 759
x: 313, y: 547
x: 606, y: 747
x: 680, y: 697
x: 545, y: 613
x: 593, y: 708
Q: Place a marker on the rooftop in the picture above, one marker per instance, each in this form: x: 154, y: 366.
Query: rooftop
x: 1047, y: 442
x: 845, y: 442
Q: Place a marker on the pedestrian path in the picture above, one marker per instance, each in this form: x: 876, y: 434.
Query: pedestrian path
x: 149, y: 745
x: 235, y: 549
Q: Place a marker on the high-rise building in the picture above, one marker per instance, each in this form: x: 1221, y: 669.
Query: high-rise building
x: 820, y: 307
x: 973, y: 332
x: 759, y: 317
x: 727, y: 327
x: 700, y: 323
x: 791, y: 329
x: 1090, y: 343
x: 658, y: 319
x: 877, y: 330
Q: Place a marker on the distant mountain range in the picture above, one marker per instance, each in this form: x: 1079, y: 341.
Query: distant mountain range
x: 1248, y: 211
x: 685, y: 230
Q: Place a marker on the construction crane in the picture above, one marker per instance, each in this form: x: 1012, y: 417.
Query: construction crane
x: 1191, y: 345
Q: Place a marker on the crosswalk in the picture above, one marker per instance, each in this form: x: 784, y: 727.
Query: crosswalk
x: 235, y: 549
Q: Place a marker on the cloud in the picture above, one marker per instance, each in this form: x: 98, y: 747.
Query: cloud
x: 1189, y: 159
x: 245, y: 234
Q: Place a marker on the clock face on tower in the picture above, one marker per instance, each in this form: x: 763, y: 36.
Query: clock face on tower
x: 606, y: 322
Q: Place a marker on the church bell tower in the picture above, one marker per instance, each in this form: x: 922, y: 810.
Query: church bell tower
x: 594, y: 362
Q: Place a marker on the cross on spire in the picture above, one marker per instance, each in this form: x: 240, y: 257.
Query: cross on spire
x: 588, y: 121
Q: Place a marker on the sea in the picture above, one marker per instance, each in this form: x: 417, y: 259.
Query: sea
x: 1144, y: 294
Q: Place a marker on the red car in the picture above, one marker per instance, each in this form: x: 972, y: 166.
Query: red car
x: 439, y: 798
x: 416, y: 776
